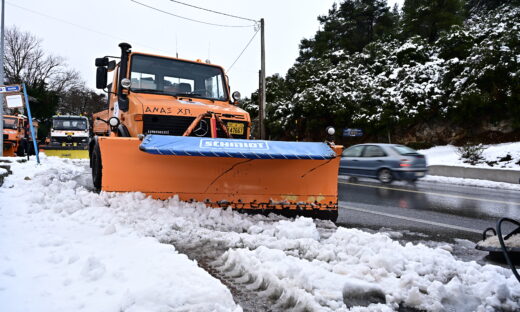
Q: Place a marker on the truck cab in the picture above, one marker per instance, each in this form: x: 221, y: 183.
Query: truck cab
x: 160, y: 95
x: 14, y: 135
x: 69, y: 131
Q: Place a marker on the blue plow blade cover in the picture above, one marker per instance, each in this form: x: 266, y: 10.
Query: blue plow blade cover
x: 236, y: 148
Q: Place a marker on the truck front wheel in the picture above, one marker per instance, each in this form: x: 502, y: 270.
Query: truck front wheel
x: 22, y: 148
x: 95, y: 161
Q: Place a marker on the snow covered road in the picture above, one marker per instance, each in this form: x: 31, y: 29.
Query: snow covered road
x: 66, y: 248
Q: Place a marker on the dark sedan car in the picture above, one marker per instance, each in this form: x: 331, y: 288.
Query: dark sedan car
x: 385, y: 162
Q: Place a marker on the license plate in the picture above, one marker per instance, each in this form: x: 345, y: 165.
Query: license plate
x: 419, y: 174
x: 235, y: 128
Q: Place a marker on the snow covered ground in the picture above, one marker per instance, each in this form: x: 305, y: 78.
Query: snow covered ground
x: 66, y: 248
x: 447, y: 155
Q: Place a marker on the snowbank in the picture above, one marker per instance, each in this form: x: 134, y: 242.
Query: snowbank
x: 472, y: 182
x: 66, y: 248
x: 447, y: 156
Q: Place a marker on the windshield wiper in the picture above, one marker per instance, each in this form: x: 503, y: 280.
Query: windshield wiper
x: 153, y: 91
x: 187, y: 94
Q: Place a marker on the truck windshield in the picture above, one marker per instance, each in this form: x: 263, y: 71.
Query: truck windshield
x: 69, y: 124
x: 168, y: 76
x: 10, y: 123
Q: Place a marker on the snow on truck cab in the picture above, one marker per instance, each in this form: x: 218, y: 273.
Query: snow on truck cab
x: 173, y: 130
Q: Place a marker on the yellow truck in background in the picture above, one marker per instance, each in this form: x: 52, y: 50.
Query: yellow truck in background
x: 68, y: 138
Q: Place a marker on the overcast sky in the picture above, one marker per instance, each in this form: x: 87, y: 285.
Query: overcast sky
x: 80, y: 31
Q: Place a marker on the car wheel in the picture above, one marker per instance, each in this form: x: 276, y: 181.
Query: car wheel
x: 95, y: 160
x: 385, y: 176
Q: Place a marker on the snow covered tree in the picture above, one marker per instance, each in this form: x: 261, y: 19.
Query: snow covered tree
x: 428, y: 18
x: 350, y: 27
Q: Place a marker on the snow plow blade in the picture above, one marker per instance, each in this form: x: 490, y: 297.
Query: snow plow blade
x: 286, y: 177
x: 66, y: 153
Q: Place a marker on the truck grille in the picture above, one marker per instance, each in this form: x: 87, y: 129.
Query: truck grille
x: 177, y: 125
x: 69, y: 139
x: 6, y: 136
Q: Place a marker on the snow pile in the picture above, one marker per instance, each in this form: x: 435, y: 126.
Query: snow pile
x: 492, y: 241
x: 472, y: 182
x: 352, y: 262
x: 63, y: 249
x: 494, y: 154
x: 67, y: 248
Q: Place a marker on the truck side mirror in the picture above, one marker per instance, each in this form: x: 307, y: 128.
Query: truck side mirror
x: 101, y: 77
x: 101, y: 61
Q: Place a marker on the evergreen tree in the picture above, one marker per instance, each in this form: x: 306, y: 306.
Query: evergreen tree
x: 477, y: 6
x: 350, y: 27
x: 428, y: 18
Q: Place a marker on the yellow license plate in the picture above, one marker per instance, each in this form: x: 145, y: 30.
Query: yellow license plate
x: 235, y: 128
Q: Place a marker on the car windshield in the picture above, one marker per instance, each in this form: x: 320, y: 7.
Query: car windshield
x: 69, y: 124
x: 354, y: 151
x: 404, y: 150
x: 158, y: 75
x: 10, y: 123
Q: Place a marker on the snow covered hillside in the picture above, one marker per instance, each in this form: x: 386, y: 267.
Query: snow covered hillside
x: 494, y: 156
x: 66, y: 248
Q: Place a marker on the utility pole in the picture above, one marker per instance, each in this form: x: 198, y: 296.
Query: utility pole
x: 2, y: 82
x: 261, y: 109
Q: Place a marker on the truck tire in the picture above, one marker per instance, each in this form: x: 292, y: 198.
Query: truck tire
x: 22, y: 148
x: 95, y: 161
x: 30, y: 149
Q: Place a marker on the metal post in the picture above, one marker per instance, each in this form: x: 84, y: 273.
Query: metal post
x: 259, y: 131
x: 36, y: 151
x: 261, y: 110
x: 2, y: 81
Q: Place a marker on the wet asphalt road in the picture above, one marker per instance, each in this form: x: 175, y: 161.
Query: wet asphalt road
x: 443, y: 212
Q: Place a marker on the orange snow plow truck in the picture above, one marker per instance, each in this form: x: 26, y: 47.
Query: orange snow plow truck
x: 16, y: 140
x: 175, y: 131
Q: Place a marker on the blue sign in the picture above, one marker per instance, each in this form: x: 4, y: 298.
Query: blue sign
x: 12, y: 88
x: 348, y: 132
x: 4, y: 89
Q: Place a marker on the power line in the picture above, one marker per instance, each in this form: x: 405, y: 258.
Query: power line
x: 212, y: 11
x: 80, y: 26
x: 247, y: 45
x: 191, y: 19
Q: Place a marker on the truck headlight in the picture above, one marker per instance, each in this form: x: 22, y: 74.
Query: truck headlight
x: 126, y: 83
x: 113, y: 121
